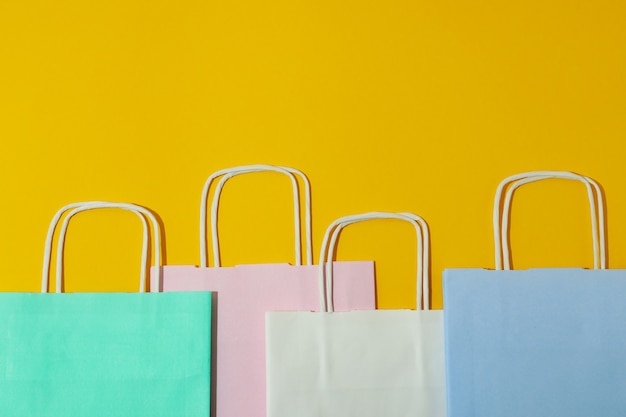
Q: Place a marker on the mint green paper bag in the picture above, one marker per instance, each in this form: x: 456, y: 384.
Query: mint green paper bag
x: 104, y: 354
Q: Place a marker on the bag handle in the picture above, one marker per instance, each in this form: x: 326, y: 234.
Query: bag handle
x: 227, y: 174
x: 329, y: 245
x: 501, y: 213
x: 297, y: 223
x: 84, y: 206
x: 597, y: 224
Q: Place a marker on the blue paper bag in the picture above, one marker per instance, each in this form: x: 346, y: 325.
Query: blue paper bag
x: 538, y: 342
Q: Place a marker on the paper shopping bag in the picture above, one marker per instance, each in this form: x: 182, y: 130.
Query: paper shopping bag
x: 537, y: 342
x: 104, y: 354
x: 360, y: 363
x: 246, y: 292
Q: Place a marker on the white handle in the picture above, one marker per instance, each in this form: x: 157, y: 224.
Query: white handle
x: 330, y: 241
x: 501, y: 213
x: 79, y: 207
x: 597, y: 224
x: 215, y: 208
x: 47, y: 254
x: 231, y: 172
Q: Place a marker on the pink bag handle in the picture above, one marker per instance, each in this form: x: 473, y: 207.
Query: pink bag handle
x: 76, y: 208
x: 501, y: 213
x: 329, y: 245
x: 228, y: 173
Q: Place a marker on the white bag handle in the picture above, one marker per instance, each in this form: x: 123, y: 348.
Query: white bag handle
x: 79, y: 207
x: 330, y: 242
x: 501, y: 213
x: 245, y: 169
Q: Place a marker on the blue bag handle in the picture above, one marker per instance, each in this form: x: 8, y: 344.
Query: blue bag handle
x: 501, y: 214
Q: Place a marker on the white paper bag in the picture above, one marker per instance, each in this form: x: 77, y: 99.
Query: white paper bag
x: 362, y: 363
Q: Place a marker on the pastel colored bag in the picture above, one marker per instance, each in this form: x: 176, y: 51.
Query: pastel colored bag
x: 358, y: 363
x: 537, y: 342
x: 104, y: 354
x: 246, y: 292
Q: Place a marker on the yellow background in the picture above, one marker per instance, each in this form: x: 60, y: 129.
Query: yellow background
x: 390, y: 105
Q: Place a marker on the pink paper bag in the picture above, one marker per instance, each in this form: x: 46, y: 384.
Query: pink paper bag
x: 244, y: 293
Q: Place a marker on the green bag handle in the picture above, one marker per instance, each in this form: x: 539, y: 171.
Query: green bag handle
x: 91, y: 205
